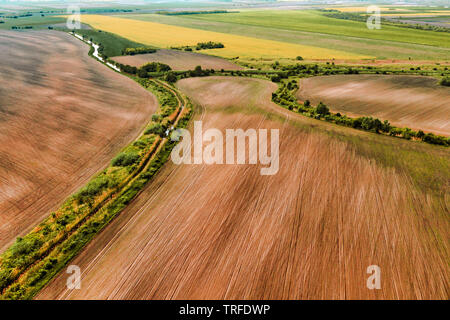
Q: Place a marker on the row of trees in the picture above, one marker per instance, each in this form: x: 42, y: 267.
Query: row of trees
x: 284, y: 96
x: 142, y: 72
x: 133, y: 51
x: 209, y: 45
x: 201, y: 46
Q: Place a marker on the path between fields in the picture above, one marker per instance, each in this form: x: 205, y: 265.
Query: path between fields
x: 226, y: 232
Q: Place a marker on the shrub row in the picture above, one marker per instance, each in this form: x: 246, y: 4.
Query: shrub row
x: 133, y: 51
x: 39, y: 255
x: 284, y: 97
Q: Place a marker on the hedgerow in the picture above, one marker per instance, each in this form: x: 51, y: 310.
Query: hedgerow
x: 43, y: 252
x: 284, y: 96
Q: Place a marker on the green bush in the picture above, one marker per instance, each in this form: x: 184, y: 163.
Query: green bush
x: 155, y: 128
x: 125, y: 159
x: 94, y: 188
x: 322, y: 109
x: 445, y: 81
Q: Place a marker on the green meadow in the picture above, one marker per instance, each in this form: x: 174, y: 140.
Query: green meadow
x: 314, y: 21
x: 35, y: 21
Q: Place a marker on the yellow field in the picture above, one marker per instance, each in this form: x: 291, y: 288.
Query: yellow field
x: 164, y: 36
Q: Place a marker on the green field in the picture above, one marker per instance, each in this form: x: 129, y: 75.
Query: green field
x: 113, y: 44
x: 304, y: 31
x: 314, y: 21
x: 35, y: 21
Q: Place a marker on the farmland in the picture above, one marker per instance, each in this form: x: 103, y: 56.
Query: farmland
x: 407, y: 101
x: 225, y: 232
x: 313, y: 21
x: 88, y: 170
x: 88, y: 117
x: 179, y: 60
x: 355, y: 43
x: 165, y: 36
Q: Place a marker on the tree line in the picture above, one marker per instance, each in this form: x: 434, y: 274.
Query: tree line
x: 284, y: 97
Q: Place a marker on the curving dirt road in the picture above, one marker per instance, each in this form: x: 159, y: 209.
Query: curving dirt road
x: 226, y: 232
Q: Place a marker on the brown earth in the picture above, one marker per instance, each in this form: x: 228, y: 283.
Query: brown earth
x: 63, y: 117
x: 308, y: 232
x: 179, y: 60
x: 406, y: 101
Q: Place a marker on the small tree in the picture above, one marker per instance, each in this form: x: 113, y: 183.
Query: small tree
x: 171, y: 77
x: 445, y: 81
x: 322, y: 109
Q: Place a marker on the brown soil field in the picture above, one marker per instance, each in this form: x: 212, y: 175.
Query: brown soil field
x: 308, y: 232
x: 63, y: 117
x: 406, y: 101
x: 179, y: 60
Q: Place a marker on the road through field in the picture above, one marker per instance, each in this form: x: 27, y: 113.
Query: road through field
x: 63, y: 117
x: 226, y: 232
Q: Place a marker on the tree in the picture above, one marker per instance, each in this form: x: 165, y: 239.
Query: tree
x: 171, y: 77
x: 445, y: 81
x: 142, y: 73
x: 322, y: 109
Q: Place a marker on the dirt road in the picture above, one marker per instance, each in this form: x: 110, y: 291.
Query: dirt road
x: 63, y: 117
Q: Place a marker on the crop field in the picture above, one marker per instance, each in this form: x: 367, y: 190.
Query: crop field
x: 307, y: 33
x: 179, y: 60
x: 75, y: 116
x: 165, y: 36
x: 406, y: 101
x: 314, y: 21
x: 35, y: 21
x: 312, y: 150
x: 226, y: 232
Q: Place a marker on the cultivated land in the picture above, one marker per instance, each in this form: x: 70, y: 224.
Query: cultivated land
x: 356, y: 43
x: 166, y: 36
x: 179, y: 60
x: 226, y: 232
x: 314, y: 21
x: 63, y: 116
x: 406, y: 101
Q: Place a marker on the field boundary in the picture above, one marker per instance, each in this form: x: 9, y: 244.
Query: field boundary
x: 32, y: 261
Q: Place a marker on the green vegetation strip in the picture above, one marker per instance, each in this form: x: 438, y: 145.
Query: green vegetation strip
x: 285, y: 97
x: 32, y: 261
x: 112, y: 45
